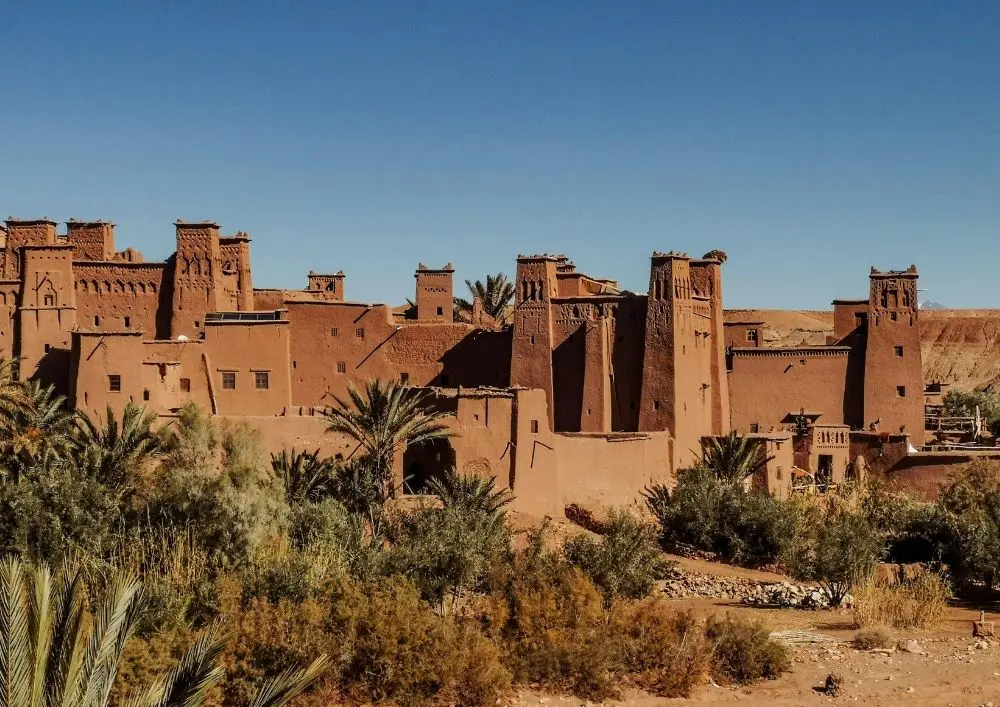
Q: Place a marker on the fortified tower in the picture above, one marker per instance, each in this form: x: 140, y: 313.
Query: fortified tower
x: 91, y: 240
x: 237, y: 288
x: 893, y: 383
x: 531, y: 350
x: 435, y: 294
x: 47, y: 312
x: 667, y: 308
x: 197, y: 277
x: 21, y: 233
x: 331, y: 285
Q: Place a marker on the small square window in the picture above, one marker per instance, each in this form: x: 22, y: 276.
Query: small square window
x: 145, y: 394
x: 48, y: 347
x: 260, y: 380
x: 440, y: 311
x: 534, y: 426
x: 197, y: 323
x: 229, y: 380
x: 50, y: 301
x: 97, y: 320
x: 334, y: 331
x: 751, y: 336
x: 186, y: 384
x: 656, y: 404
x: 893, y: 316
x: 898, y: 350
x: 532, y: 339
x: 115, y: 383
x: 341, y: 367
x: 359, y: 333
x: 900, y: 391
x: 128, y: 323
x: 404, y: 378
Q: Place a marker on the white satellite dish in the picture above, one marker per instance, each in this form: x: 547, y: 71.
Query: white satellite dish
x: 181, y: 337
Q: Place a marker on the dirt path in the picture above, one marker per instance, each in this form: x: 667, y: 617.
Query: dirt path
x: 952, y: 672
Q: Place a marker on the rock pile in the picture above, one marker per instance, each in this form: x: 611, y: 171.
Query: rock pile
x: 788, y: 595
x: 684, y: 585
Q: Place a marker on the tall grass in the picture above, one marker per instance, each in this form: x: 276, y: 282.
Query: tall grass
x: 901, y: 602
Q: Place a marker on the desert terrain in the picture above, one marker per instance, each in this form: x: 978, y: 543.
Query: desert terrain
x: 948, y: 669
x: 959, y: 346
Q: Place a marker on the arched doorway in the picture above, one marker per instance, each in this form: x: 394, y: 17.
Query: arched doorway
x: 423, y: 462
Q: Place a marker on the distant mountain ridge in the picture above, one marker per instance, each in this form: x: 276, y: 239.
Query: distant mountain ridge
x: 931, y: 304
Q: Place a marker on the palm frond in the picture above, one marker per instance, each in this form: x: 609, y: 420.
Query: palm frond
x: 290, y: 684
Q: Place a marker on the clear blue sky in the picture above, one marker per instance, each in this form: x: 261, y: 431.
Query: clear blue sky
x: 810, y: 140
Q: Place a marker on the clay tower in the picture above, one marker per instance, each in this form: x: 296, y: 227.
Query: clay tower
x: 893, y: 373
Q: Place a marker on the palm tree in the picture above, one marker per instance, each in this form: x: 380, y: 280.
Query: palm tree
x: 734, y: 458
x: 495, y: 295
x: 40, y: 428
x: 53, y: 652
x: 306, y: 475
x: 384, y: 418
x: 471, y: 494
x: 117, y: 452
x: 12, y: 397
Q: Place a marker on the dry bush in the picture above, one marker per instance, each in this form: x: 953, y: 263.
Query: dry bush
x: 551, y: 622
x: 401, y: 651
x: 873, y: 637
x: 906, y: 602
x: 664, y: 650
x: 744, y: 652
x: 268, y: 638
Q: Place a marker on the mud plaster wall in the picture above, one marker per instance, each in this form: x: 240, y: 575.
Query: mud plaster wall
x: 765, y: 387
x: 245, y: 350
x: 108, y: 294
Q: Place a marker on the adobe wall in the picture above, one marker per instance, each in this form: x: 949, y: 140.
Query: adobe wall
x: 163, y: 376
x: 743, y: 335
x: 922, y: 475
x: 505, y: 435
x: 9, y: 296
x: 364, y: 342
x: 126, y: 296
x: 255, y: 354
x: 765, y: 385
x: 848, y: 315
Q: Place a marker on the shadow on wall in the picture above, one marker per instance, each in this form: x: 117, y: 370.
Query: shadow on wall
x: 423, y: 462
x: 481, y: 358
x: 54, y: 369
x: 568, y: 369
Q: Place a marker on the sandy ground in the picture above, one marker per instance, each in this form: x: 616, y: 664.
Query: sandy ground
x: 950, y: 670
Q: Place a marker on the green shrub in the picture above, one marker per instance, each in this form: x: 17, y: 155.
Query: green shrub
x: 54, y: 510
x: 743, y: 652
x: 837, y: 548
x: 873, y: 637
x: 624, y: 563
x: 446, y: 550
x: 225, y: 492
x: 743, y: 527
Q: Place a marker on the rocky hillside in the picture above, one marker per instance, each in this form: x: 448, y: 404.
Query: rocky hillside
x: 959, y: 346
